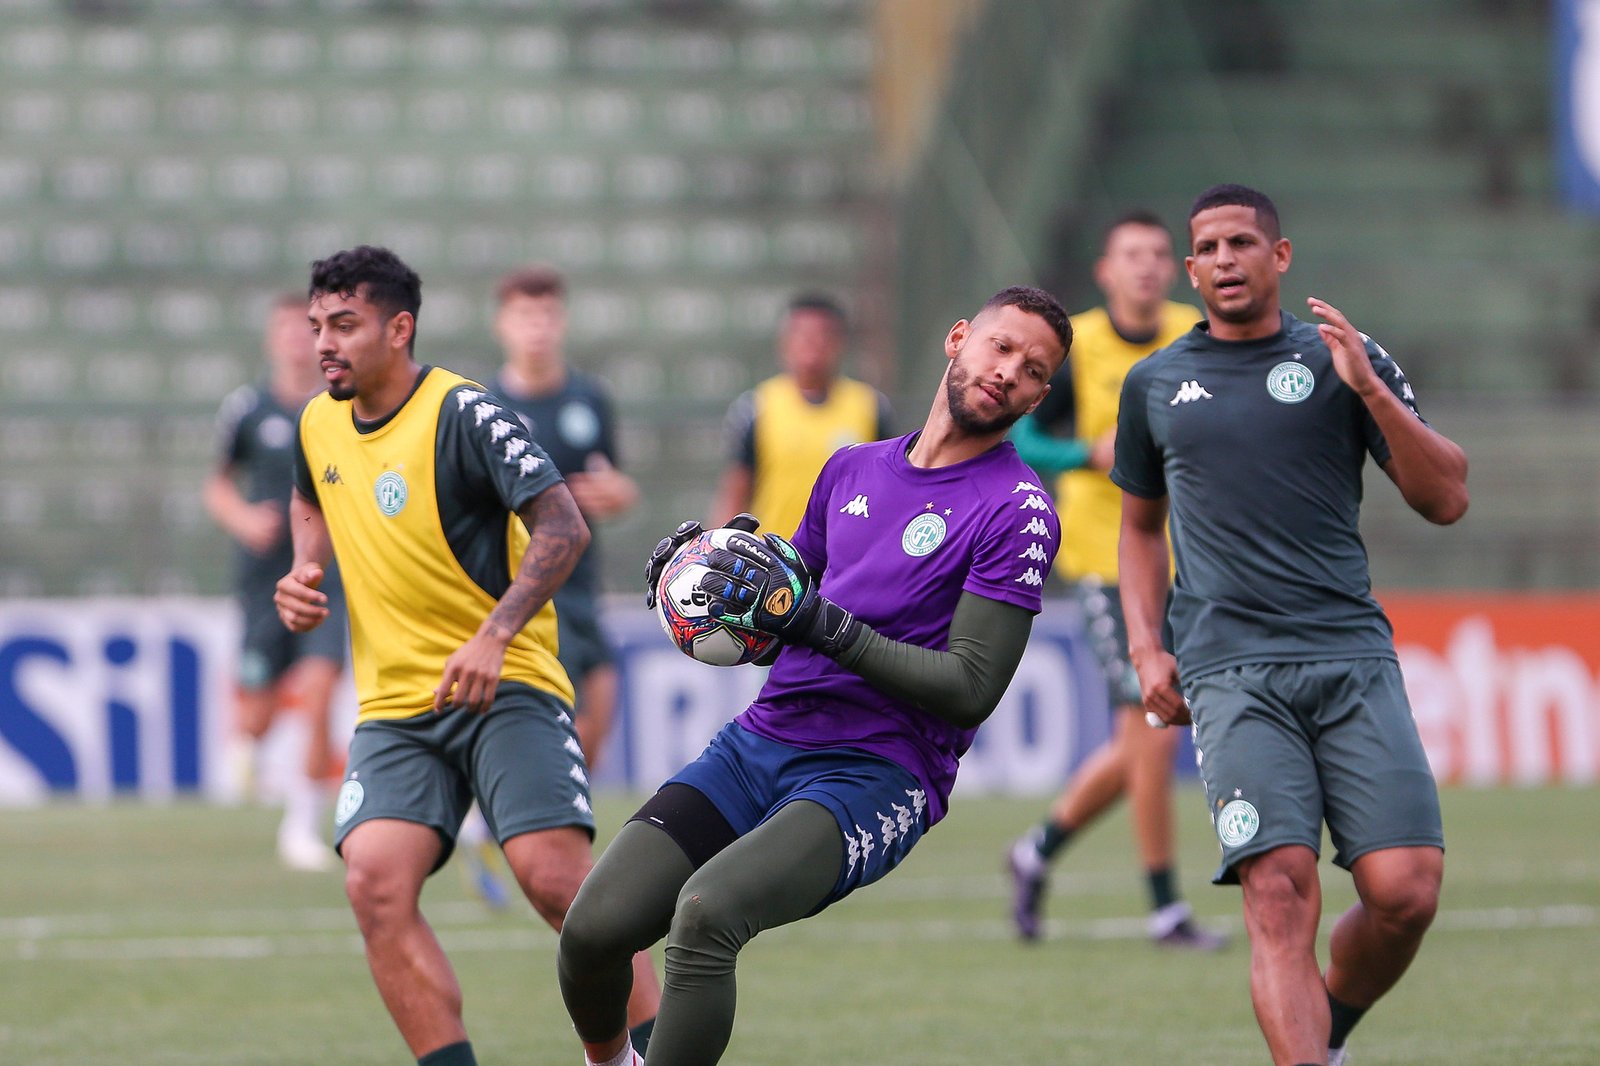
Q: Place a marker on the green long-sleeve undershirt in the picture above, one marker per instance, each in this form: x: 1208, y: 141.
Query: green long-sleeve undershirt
x: 961, y: 685
x: 1045, y: 452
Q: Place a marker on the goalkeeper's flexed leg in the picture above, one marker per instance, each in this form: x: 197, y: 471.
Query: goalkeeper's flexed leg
x: 903, y: 604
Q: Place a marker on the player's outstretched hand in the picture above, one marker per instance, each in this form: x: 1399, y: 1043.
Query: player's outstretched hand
x: 1348, y: 347
x: 301, y: 607
x: 665, y: 549
x: 764, y: 584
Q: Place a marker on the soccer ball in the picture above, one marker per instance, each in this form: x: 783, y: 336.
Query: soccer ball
x: 683, y: 608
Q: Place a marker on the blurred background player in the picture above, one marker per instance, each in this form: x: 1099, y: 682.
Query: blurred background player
x: 783, y: 430
x: 248, y: 496
x: 1071, y: 434
x: 570, y: 415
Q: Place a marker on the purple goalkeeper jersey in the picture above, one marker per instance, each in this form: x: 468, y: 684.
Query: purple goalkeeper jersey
x: 897, y: 546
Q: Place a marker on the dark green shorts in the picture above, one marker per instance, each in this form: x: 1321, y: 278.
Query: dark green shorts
x: 1284, y: 747
x: 521, y: 762
x: 582, y: 643
x: 268, y: 649
x: 1108, y: 639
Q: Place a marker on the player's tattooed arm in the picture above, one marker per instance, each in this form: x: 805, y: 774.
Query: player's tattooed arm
x: 557, y: 535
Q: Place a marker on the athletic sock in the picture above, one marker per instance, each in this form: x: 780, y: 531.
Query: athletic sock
x: 639, y: 1035
x: 1162, y: 893
x: 621, y: 1058
x: 1344, y: 1019
x: 450, y: 1055
x: 1052, y: 838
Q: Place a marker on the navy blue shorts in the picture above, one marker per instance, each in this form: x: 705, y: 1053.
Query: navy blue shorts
x: 880, y: 807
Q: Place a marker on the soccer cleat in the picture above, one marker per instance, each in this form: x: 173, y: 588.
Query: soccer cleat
x: 301, y: 851
x: 1028, y: 882
x: 1336, y: 1055
x: 481, y: 878
x: 1173, y: 927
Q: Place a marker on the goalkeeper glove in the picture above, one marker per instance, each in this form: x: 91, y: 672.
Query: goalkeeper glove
x: 764, y: 584
x: 668, y: 546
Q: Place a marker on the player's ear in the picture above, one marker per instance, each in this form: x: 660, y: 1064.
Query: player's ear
x: 956, y: 338
x: 1282, y: 253
x: 402, y: 327
x: 1037, y: 402
x: 1188, y: 266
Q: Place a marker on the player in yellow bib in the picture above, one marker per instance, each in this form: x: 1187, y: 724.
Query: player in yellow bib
x: 1135, y: 270
x: 781, y: 432
x: 453, y: 530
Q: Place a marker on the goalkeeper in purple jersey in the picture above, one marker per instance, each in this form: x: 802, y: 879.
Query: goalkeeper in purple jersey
x: 903, y: 605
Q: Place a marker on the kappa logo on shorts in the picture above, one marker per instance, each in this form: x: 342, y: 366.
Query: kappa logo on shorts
x: 350, y: 797
x: 1237, y: 823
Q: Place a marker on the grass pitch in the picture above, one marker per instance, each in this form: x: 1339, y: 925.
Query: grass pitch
x: 169, y: 935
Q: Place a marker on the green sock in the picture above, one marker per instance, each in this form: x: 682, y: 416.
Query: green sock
x: 640, y: 1035
x: 450, y: 1055
x: 1344, y: 1019
x: 1161, y: 891
x: 1052, y: 838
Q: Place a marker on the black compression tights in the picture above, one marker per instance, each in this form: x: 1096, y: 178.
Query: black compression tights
x: 643, y: 888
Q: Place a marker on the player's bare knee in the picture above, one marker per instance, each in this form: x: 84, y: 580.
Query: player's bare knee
x: 376, y: 895
x: 1405, y: 907
x: 1281, y: 901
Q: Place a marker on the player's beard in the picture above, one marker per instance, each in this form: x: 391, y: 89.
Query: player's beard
x: 346, y: 391
x: 957, y: 382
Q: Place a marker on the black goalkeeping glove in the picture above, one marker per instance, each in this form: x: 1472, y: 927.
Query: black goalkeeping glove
x: 762, y: 583
x: 668, y: 546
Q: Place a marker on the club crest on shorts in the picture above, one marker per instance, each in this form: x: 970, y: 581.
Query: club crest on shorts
x: 349, y: 802
x: 390, y: 491
x: 923, y: 534
x: 1290, y: 382
x: 1237, y: 823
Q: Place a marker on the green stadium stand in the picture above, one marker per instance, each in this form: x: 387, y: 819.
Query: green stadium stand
x: 167, y: 168
x: 1409, y: 148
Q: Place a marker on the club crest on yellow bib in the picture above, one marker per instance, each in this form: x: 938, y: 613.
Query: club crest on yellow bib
x: 780, y: 601
x: 390, y: 490
x: 1290, y: 382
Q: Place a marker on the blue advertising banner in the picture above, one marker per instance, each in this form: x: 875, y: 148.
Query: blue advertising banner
x: 112, y: 697
x: 1577, y: 103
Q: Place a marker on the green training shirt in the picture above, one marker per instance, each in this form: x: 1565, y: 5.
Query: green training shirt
x: 1258, y: 446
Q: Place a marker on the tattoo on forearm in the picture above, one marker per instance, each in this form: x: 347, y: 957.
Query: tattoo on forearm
x: 557, y: 537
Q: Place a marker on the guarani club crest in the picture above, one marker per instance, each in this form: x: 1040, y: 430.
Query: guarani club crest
x: 1290, y: 382
x: 390, y: 491
x: 923, y: 534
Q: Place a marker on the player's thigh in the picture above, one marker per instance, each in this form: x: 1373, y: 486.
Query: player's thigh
x: 1107, y: 632
x: 266, y: 648
x: 1378, y: 789
x: 582, y: 643
x: 400, y: 770
x: 528, y: 770
x: 785, y: 869
x: 1256, y: 762
x: 387, y: 859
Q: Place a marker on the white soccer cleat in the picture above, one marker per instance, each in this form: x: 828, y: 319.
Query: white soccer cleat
x: 1336, y: 1055
x: 298, y: 851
